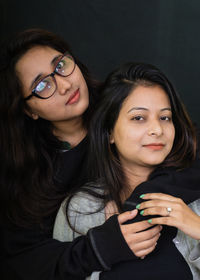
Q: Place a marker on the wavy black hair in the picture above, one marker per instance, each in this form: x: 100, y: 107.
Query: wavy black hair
x: 28, y: 148
x: 104, y: 162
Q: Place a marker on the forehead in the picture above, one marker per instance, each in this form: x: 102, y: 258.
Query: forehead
x: 36, y: 57
x: 147, y: 96
x: 35, y: 61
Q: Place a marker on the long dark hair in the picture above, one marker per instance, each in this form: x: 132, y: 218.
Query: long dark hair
x: 103, y: 158
x: 28, y: 147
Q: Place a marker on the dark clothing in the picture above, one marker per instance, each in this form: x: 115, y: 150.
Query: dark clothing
x: 34, y: 255
x: 165, y: 262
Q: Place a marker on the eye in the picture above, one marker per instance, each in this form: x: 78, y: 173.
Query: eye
x: 138, y: 118
x: 60, y: 65
x: 165, y: 118
x: 43, y: 85
x: 65, y: 66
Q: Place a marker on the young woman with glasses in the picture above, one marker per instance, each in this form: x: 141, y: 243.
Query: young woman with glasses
x: 47, y: 99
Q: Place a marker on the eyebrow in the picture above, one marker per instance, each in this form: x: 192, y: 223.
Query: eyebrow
x: 146, y: 109
x: 38, y: 77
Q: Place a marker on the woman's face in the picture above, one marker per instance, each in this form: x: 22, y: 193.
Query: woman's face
x: 144, y: 132
x: 71, y: 98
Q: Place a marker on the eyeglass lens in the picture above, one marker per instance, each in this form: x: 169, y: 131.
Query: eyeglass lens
x: 47, y: 86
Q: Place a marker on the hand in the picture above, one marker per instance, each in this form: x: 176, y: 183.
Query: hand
x: 139, y: 241
x: 181, y: 216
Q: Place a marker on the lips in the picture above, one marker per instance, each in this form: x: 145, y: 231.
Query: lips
x: 74, y: 97
x: 154, y: 146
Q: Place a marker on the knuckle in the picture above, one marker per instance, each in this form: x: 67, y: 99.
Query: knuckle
x: 156, y: 231
x: 124, y: 230
x: 179, y: 200
x: 142, y: 205
x: 150, y: 234
x: 165, y: 220
x: 157, y: 236
x: 138, y: 254
x: 129, y: 241
x: 149, y: 250
x: 159, y: 194
x: 179, y: 207
x: 145, y: 212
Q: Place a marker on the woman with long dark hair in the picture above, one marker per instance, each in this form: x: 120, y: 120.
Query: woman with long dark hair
x: 142, y: 141
x: 47, y: 99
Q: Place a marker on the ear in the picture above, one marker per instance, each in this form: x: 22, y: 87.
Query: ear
x: 34, y: 116
x: 112, y: 140
x: 31, y: 115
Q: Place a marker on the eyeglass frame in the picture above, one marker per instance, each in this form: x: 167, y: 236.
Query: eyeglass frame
x: 33, y: 93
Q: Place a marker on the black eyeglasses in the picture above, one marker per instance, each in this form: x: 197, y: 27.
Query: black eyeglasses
x: 47, y: 86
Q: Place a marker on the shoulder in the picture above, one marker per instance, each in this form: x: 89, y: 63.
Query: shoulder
x: 84, y: 202
x: 189, y: 247
x: 84, y: 212
x: 195, y: 206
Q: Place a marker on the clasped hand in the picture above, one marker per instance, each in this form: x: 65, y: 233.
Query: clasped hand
x: 172, y: 211
x: 140, y: 241
x: 179, y: 216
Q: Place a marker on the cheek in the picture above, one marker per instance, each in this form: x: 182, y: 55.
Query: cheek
x: 128, y: 134
x: 172, y: 135
x: 127, y: 141
x: 44, y: 108
x: 78, y: 76
x: 170, y: 139
x: 80, y: 81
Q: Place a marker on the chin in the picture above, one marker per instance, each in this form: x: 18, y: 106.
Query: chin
x: 80, y: 110
x: 154, y: 163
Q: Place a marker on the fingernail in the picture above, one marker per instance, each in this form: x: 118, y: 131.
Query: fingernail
x: 149, y: 221
x: 142, y: 195
x: 142, y: 212
x: 138, y: 206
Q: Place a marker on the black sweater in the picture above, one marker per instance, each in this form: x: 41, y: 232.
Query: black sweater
x: 165, y: 261
x: 33, y: 254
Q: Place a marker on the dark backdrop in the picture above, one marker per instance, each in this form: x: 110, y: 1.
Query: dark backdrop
x: 105, y: 33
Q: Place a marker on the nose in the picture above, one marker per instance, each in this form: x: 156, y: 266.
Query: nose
x: 155, y: 128
x: 63, y: 84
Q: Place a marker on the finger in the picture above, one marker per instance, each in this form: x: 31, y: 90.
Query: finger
x: 161, y: 196
x: 144, y: 245
x: 176, y: 222
x: 169, y: 221
x: 135, y: 240
x: 130, y: 229
x: 157, y: 203
x: 147, y: 234
x: 145, y: 252
x: 137, y: 227
x: 161, y: 211
x: 128, y: 215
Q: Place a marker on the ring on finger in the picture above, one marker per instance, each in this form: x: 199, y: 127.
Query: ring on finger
x: 169, y: 210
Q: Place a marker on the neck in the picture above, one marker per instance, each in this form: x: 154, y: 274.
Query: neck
x: 135, y: 176
x: 71, y: 131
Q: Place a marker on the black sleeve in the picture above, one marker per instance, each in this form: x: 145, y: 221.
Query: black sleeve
x: 31, y: 255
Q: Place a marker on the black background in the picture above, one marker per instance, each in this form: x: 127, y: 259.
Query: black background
x: 106, y: 33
